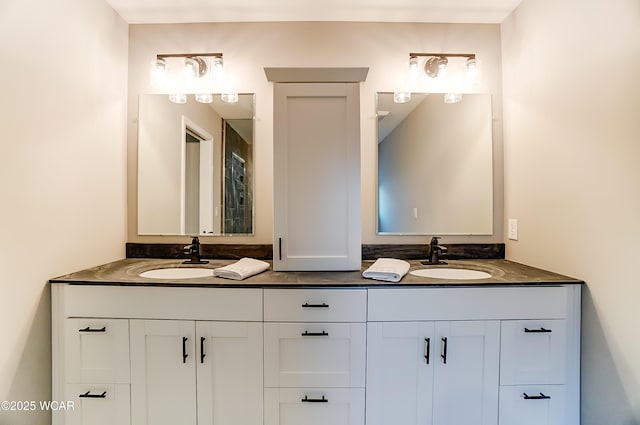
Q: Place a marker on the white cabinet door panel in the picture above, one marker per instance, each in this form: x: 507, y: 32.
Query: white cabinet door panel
x: 400, y: 360
x: 315, y: 354
x: 163, y: 372
x: 229, y: 373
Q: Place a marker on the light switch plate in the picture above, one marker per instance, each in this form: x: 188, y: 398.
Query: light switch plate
x: 512, y: 232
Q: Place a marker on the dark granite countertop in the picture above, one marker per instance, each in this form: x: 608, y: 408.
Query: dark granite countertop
x: 126, y: 273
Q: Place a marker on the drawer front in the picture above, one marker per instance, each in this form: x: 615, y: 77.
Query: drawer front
x: 532, y: 405
x: 533, y: 352
x: 321, y: 406
x: 314, y: 354
x: 97, y: 350
x: 411, y: 304
x: 95, y: 404
x: 315, y: 305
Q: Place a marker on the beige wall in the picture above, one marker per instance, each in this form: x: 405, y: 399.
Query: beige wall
x: 249, y: 47
x: 62, y: 171
x: 572, y: 145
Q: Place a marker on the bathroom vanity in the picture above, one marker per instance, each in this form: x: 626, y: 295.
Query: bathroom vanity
x: 285, y: 348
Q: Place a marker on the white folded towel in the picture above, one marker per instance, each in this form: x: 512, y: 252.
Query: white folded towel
x: 241, y: 269
x: 387, y: 269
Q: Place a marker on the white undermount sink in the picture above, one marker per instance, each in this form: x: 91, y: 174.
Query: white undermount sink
x: 451, y: 273
x: 177, y: 273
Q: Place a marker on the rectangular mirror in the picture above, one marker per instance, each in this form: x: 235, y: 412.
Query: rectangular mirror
x: 435, y: 172
x: 195, y: 166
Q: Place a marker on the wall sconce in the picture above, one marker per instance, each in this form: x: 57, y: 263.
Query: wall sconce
x: 437, y: 63
x: 192, y: 73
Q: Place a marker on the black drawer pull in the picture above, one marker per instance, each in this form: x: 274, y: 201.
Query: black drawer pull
x: 535, y: 397
x: 306, y: 399
x: 427, y: 349
x: 90, y: 329
x: 184, y: 349
x: 537, y: 331
x: 307, y: 333
x: 307, y: 305
x: 202, y: 355
x: 89, y: 395
x: 443, y: 353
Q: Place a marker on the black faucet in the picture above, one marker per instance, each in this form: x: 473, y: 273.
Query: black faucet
x: 435, y: 251
x: 193, y: 251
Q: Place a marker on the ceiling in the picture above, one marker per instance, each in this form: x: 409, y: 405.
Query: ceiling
x: 185, y: 11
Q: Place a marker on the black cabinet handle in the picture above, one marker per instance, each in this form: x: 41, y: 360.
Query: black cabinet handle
x: 90, y: 329
x: 535, y: 397
x: 306, y: 399
x: 427, y: 349
x: 443, y: 354
x: 280, y: 249
x: 184, y: 349
x: 307, y: 305
x: 538, y: 331
x: 202, y: 355
x: 307, y: 333
x: 89, y: 395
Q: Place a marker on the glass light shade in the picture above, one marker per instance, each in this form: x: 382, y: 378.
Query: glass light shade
x: 178, y: 98
x: 401, y: 97
x: 204, y: 97
x: 472, y: 69
x: 218, y: 62
x: 229, y: 97
x: 158, y: 76
x: 452, y: 97
x: 413, y: 62
x: 435, y: 66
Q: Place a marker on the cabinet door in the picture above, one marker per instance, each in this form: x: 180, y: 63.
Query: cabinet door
x: 533, y: 352
x: 466, y: 373
x: 229, y: 373
x: 163, y: 372
x: 315, y: 354
x: 314, y: 406
x: 96, y: 404
x: 97, y: 350
x: 316, y: 176
x: 533, y: 405
x: 400, y: 360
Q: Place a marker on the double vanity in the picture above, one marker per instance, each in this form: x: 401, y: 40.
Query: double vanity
x: 312, y: 348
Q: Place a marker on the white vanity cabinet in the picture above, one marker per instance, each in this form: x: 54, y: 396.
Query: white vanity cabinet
x: 315, y: 356
x: 512, y: 356
x: 157, y: 355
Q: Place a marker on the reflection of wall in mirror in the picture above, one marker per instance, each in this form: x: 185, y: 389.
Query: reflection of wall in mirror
x: 159, y: 161
x: 238, y: 180
x: 435, y: 169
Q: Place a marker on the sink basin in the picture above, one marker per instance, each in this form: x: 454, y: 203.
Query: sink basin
x: 451, y: 273
x: 177, y: 273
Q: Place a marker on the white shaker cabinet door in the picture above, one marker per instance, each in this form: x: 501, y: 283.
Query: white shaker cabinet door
x: 400, y: 361
x: 163, y: 374
x: 229, y: 373
x: 466, y: 373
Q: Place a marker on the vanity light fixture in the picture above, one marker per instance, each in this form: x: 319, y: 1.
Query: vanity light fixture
x: 437, y: 63
x: 401, y: 97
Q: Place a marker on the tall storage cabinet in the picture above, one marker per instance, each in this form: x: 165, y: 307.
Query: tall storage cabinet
x: 316, y: 176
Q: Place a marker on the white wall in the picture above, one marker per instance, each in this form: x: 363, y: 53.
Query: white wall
x: 249, y: 47
x: 572, y: 145
x: 62, y: 171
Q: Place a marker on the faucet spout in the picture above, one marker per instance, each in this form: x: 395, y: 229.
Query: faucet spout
x: 435, y: 251
x: 193, y: 251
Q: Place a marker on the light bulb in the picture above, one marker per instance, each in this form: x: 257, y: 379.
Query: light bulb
x: 472, y: 69
x: 158, y: 73
x: 190, y: 68
x: 413, y: 63
x: 229, y: 97
x: 218, y: 62
x: 178, y: 98
x: 401, y: 97
x: 204, y: 97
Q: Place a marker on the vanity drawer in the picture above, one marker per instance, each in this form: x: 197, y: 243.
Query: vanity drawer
x: 97, y: 404
x: 533, y: 405
x: 533, y: 352
x: 97, y: 350
x: 285, y: 406
x: 314, y: 354
x: 315, y: 305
